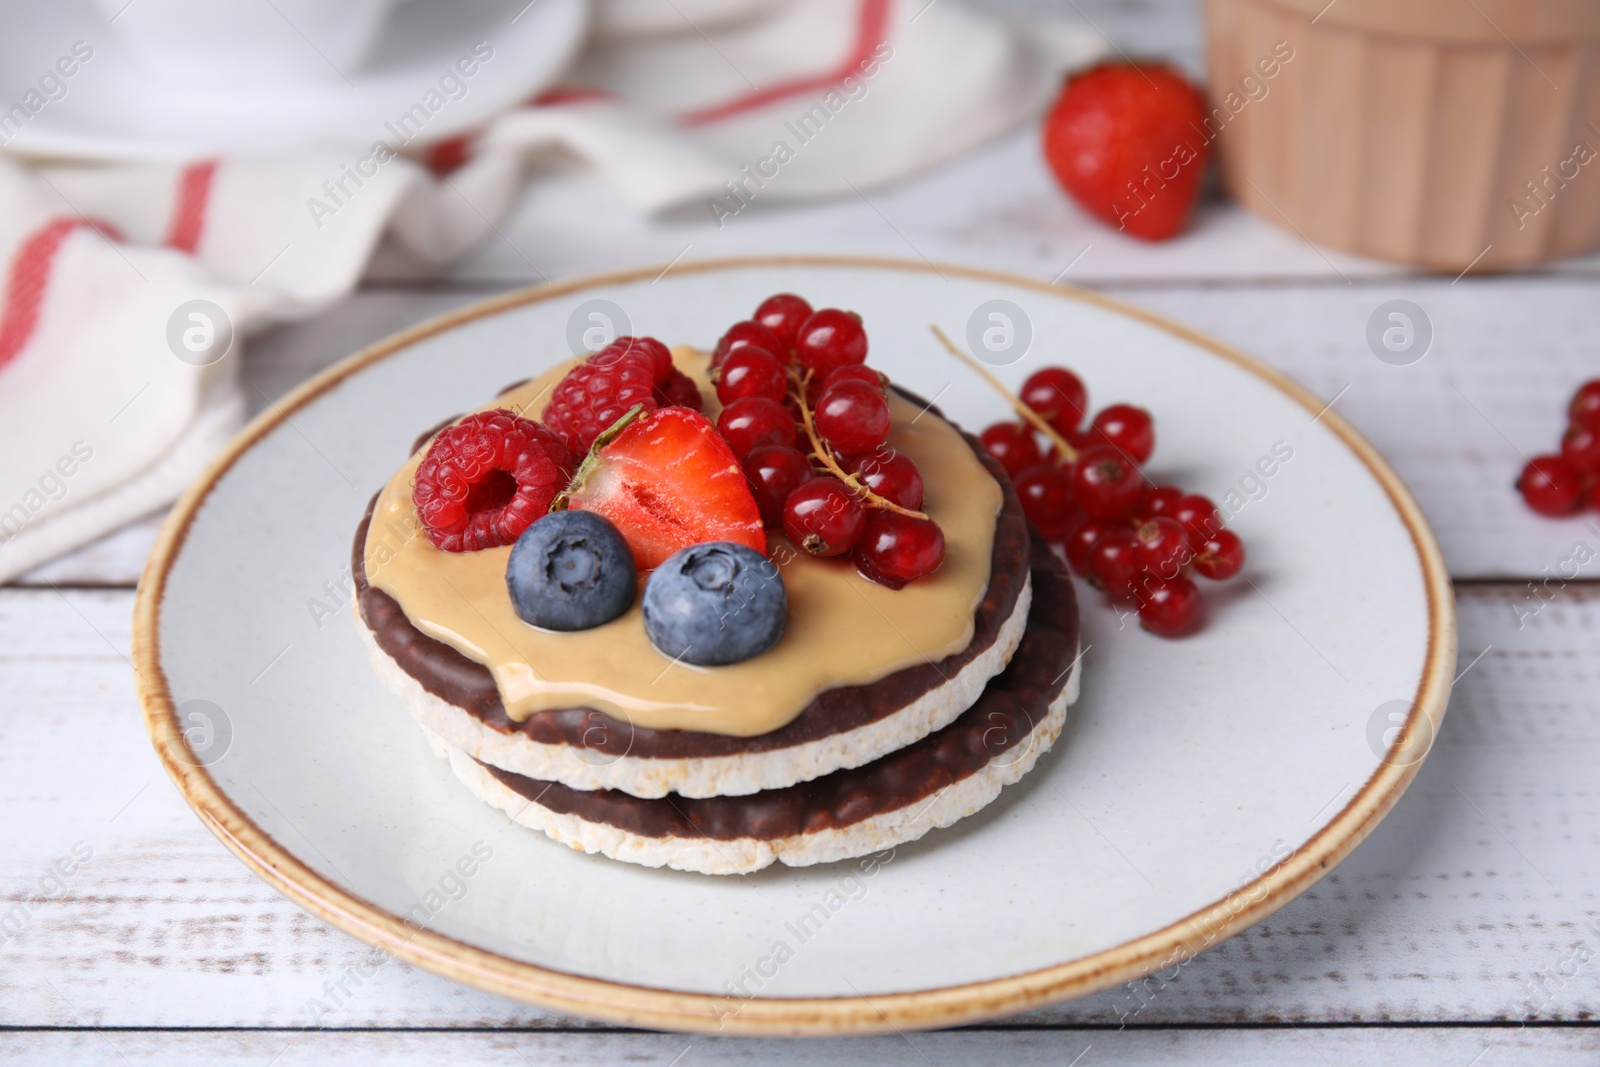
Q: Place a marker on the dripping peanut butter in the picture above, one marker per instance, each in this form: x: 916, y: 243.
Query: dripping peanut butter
x: 842, y: 628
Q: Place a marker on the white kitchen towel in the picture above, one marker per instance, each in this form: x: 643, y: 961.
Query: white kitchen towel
x: 124, y: 284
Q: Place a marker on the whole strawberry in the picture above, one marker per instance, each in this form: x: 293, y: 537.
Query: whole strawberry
x: 1128, y: 142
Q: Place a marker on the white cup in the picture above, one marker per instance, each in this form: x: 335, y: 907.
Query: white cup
x: 248, y: 42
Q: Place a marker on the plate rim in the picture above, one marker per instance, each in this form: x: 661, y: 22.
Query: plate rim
x: 657, y: 1008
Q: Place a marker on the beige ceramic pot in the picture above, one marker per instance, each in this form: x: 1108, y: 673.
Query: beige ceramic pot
x: 1446, y: 134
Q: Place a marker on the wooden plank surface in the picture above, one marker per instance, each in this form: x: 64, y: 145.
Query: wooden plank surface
x: 1301, y: 1047
x: 1477, y: 900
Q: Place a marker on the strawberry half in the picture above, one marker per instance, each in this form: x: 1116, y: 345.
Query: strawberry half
x: 667, y: 480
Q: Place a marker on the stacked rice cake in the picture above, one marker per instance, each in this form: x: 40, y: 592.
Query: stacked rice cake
x: 859, y: 768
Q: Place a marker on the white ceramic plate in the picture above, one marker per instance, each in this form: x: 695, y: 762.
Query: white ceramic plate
x: 113, y: 110
x: 1200, y: 784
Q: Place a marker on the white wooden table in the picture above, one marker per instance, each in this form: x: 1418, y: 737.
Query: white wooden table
x: 1465, y: 931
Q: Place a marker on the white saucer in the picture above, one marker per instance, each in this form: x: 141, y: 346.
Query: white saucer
x: 113, y: 110
x: 1200, y: 784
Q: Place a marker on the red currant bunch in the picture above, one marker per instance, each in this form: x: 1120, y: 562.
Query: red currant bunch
x: 1565, y: 482
x: 1142, y: 544
x: 809, y: 421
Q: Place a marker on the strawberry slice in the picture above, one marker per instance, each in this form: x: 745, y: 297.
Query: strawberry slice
x: 667, y: 480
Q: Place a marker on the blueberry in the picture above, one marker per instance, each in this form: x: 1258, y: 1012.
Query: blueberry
x: 715, y: 604
x: 570, y: 570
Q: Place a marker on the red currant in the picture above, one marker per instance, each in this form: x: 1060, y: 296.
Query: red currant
x: 1585, y: 407
x: 1580, y: 447
x: 1157, y: 500
x: 1080, y: 541
x: 890, y: 474
x: 1046, y: 494
x: 853, y: 416
x: 1551, y: 486
x: 746, y: 333
x: 823, y: 517
x: 1221, y: 557
x: 857, y: 371
x: 830, y: 338
x: 1199, y: 517
x: 1127, y: 429
x: 1106, y: 484
x: 1012, y: 444
x: 1169, y: 607
x: 1114, y: 561
x: 774, y: 472
x: 1163, y: 547
x: 782, y: 313
x: 754, y: 421
x: 751, y: 371
x: 1058, y: 396
x: 895, y: 549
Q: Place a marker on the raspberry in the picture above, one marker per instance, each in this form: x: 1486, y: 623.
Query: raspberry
x: 679, y: 391
x: 670, y: 386
x: 599, y: 391
x: 654, y: 352
x: 484, y: 480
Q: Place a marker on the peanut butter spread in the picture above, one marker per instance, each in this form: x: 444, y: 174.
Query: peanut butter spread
x: 842, y: 630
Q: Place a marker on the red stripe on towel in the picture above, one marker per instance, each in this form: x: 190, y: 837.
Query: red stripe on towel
x: 189, y: 213
x: 30, y: 276
x: 872, y: 20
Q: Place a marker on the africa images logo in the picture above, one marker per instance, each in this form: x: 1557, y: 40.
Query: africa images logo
x: 48, y: 88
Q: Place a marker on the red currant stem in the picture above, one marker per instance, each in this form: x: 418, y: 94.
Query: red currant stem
x: 1065, y: 453
x: 824, y: 454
